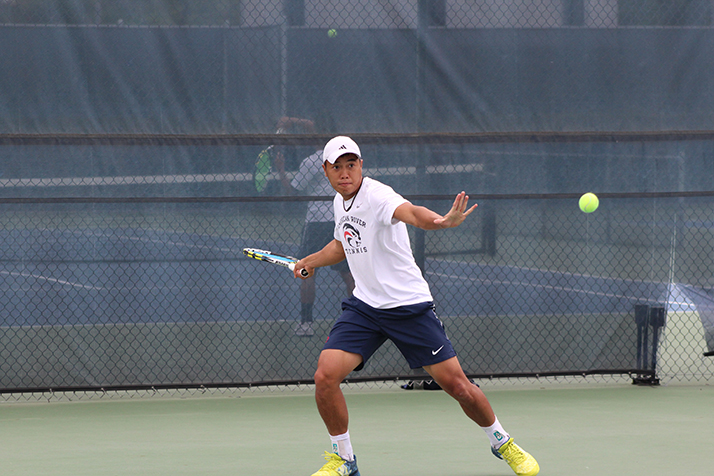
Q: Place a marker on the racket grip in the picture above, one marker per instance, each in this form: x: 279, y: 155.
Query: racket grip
x: 303, y: 272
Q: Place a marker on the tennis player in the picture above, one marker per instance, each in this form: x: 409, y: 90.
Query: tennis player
x: 391, y: 300
x: 319, y: 228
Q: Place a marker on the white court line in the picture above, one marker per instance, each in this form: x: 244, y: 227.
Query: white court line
x: 150, y: 240
x: 529, y: 284
x: 39, y: 277
x: 542, y: 286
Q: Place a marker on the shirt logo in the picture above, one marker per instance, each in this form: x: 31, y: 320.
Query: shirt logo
x: 351, y: 235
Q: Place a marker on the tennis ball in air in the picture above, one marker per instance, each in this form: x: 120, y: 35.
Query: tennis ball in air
x: 589, y: 202
x: 332, y: 33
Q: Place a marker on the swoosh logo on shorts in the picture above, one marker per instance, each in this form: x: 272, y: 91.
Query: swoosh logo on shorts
x: 434, y: 352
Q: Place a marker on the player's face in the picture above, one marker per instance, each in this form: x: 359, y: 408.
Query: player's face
x: 345, y: 175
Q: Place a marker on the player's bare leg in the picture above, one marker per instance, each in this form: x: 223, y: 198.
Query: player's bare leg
x: 332, y: 368
x: 307, y: 290
x: 307, y: 299
x: 450, y: 376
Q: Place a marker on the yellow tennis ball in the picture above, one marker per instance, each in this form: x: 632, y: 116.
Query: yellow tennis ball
x: 589, y: 202
x: 332, y: 33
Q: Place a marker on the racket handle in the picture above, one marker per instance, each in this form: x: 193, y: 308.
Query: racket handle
x: 303, y: 272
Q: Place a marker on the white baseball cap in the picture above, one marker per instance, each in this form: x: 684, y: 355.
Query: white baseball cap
x: 339, y: 146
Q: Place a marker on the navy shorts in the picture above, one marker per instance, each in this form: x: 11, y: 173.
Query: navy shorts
x: 415, y: 330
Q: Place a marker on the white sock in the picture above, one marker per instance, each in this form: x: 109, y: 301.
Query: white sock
x: 342, y: 446
x: 496, y: 434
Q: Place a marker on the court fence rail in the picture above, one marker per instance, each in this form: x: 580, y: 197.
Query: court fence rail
x: 141, y: 294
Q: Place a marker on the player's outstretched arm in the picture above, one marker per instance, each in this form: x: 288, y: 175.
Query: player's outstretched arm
x: 458, y: 212
x: 331, y: 254
x: 426, y: 219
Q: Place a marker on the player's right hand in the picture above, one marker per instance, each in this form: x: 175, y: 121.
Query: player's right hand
x: 300, y: 268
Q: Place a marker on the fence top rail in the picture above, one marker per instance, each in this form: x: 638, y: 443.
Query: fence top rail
x: 287, y: 198
x: 364, y: 138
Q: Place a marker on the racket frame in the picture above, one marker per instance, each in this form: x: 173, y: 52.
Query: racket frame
x: 274, y: 258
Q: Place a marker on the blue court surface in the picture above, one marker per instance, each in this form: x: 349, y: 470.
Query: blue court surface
x: 138, y: 276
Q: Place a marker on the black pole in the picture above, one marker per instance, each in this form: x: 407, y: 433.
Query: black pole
x: 641, y: 313
x: 423, y: 14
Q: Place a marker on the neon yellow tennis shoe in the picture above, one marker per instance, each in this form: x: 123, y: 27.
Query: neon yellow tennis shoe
x: 522, y: 463
x: 336, y: 466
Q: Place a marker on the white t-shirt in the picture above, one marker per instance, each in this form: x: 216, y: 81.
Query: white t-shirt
x: 310, y: 177
x: 378, y: 249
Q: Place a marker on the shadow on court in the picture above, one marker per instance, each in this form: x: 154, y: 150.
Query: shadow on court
x: 599, y: 430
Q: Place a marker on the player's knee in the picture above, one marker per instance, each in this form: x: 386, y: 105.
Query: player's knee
x: 324, y: 378
x: 459, y: 389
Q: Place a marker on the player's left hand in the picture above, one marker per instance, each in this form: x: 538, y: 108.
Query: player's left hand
x: 458, y: 212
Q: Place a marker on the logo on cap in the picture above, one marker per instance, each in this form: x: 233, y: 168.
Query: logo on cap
x: 339, y: 146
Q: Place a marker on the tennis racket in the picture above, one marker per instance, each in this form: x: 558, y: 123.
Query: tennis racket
x: 261, y: 171
x: 263, y: 165
x: 274, y: 258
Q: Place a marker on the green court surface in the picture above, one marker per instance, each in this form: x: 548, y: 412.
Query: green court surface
x: 598, y: 430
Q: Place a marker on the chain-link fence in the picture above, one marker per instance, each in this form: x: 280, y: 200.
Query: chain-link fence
x: 143, y: 144
x: 360, y: 14
x: 112, y: 292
